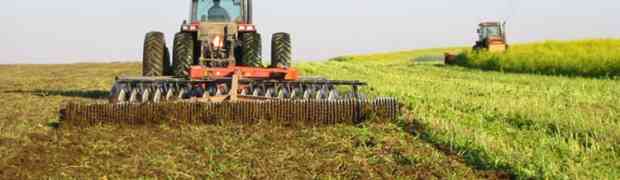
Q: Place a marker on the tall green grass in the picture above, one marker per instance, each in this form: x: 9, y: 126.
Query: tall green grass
x: 593, y: 58
x: 540, y: 127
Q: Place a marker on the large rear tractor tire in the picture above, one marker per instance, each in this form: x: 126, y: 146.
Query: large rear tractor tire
x: 155, y: 52
x: 251, y: 49
x: 281, y: 50
x: 183, y: 54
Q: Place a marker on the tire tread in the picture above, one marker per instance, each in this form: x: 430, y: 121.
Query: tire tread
x: 251, y: 49
x: 183, y: 56
x: 154, y: 55
x: 281, y: 50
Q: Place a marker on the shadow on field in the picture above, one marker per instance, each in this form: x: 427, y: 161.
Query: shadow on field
x: 53, y: 125
x: 429, y: 58
x: 91, y: 94
x: 473, y: 158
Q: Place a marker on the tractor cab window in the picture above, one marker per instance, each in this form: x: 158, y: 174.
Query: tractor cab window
x: 216, y: 10
x: 489, y: 31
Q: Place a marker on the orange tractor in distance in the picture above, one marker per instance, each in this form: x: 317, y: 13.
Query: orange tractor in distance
x: 492, y: 37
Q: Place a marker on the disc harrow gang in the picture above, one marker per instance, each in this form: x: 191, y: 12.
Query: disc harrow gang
x: 304, y: 112
x: 142, y: 91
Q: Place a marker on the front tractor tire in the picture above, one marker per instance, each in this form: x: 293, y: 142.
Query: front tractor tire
x: 155, y: 57
x: 281, y: 50
x: 183, y: 56
x: 251, y: 49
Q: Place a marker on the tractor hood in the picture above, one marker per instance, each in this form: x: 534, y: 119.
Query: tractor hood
x: 212, y: 31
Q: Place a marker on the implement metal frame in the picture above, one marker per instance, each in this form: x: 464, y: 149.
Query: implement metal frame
x: 180, y: 81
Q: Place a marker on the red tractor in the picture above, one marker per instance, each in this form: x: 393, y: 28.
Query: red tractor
x: 217, y: 75
x: 217, y: 54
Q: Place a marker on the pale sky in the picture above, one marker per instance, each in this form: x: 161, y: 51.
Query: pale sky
x: 68, y: 31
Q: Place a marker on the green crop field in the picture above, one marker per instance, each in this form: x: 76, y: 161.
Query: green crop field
x: 458, y: 123
x: 531, y: 125
x: 592, y: 58
x: 32, y: 148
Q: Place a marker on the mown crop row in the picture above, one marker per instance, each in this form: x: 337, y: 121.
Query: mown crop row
x: 531, y: 125
x: 593, y: 58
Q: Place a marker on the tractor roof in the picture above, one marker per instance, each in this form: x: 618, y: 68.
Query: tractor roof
x: 489, y: 24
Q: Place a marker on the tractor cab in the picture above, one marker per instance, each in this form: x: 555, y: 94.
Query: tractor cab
x: 493, y: 30
x: 221, y: 11
x: 492, y: 37
x: 216, y: 27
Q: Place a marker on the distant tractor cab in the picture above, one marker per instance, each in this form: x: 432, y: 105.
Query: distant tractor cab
x: 492, y: 37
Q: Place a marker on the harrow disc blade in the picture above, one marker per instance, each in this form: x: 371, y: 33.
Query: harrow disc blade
x: 307, y: 112
x: 133, y: 97
x: 146, y: 96
x: 157, y: 96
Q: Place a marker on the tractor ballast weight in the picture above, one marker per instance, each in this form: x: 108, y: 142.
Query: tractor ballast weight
x: 217, y: 72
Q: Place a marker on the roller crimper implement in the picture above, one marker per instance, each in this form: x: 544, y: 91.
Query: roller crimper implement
x: 304, y: 112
